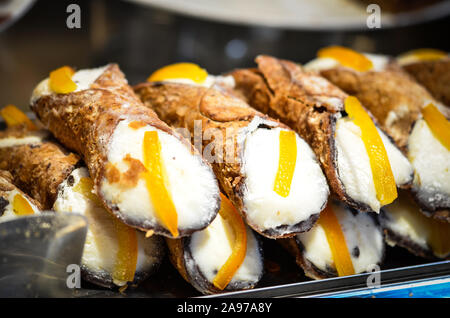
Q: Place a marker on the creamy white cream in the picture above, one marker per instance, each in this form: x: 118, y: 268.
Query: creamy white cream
x: 83, y: 79
x: 379, y: 63
x: 33, y: 137
x: 211, y: 80
x: 190, y: 182
x: 354, y: 164
x: 431, y: 161
x: 8, y: 212
x: 264, y: 207
x: 405, y: 220
x: 212, y: 246
x: 101, y: 245
x: 363, y: 237
x: 410, y: 59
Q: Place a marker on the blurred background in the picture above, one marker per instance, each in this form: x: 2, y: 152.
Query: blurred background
x: 143, y: 35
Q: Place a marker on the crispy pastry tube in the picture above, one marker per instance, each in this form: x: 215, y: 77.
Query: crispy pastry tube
x: 37, y: 164
x: 314, y: 108
x: 114, y: 254
x: 363, y: 241
x: 404, y: 226
x: 390, y: 94
x: 398, y: 102
x: 105, y: 122
x: 245, y: 155
x: 13, y: 202
x: 200, y: 257
x: 432, y: 73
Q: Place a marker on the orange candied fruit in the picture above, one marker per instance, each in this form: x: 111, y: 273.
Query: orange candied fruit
x: 383, y: 177
x: 286, y: 163
x: 439, y: 125
x: 13, y: 116
x: 179, y: 70
x: 336, y: 241
x: 61, y: 80
x: 347, y: 57
x: 228, y: 270
x: 156, y: 182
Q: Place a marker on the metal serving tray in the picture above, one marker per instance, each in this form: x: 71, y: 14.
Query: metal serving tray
x: 283, y: 278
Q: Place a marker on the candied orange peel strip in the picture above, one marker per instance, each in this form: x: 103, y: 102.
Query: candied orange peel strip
x: 439, y: 238
x: 127, y: 252
x: 21, y: 206
x: 336, y: 241
x: 383, y: 177
x: 439, y: 125
x: 61, y: 80
x: 230, y: 214
x: 286, y: 163
x: 13, y: 116
x: 156, y: 182
x: 346, y: 57
x: 179, y: 70
x: 424, y: 54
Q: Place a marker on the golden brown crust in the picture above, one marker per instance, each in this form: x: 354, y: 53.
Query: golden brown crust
x: 181, y: 105
x: 306, y: 102
x: 391, y: 95
x: 84, y: 122
x: 296, y: 249
x: 180, y: 255
x: 37, y: 168
x: 176, y: 256
x: 394, y: 98
x: 434, y: 75
x: 6, y: 180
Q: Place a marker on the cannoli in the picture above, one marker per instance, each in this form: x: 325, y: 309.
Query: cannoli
x: 404, y: 109
x: 404, y: 225
x: 226, y: 256
x: 14, y: 202
x: 431, y: 68
x: 114, y: 253
x: 343, y: 142
x: 268, y: 172
x: 145, y: 173
x: 344, y: 242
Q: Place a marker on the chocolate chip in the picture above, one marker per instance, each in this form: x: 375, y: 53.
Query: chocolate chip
x: 3, y: 204
x: 355, y: 251
x: 70, y: 181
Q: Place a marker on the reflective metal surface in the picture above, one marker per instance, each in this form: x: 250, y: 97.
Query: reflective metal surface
x: 35, y: 252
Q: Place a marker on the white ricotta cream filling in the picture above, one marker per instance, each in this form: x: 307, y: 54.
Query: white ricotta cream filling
x: 83, y: 79
x: 33, y: 137
x: 211, y: 80
x: 308, y: 191
x: 407, y: 59
x: 212, y: 246
x: 405, y: 219
x: 379, y: 63
x: 354, y: 164
x: 190, y: 182
x: 430, y: 159
x: 8, y: 213
x: 101, y: 245
x: 363, y: 237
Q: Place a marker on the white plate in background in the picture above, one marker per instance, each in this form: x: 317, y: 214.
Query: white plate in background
x: 296, y: 14
x: 11, y: 10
